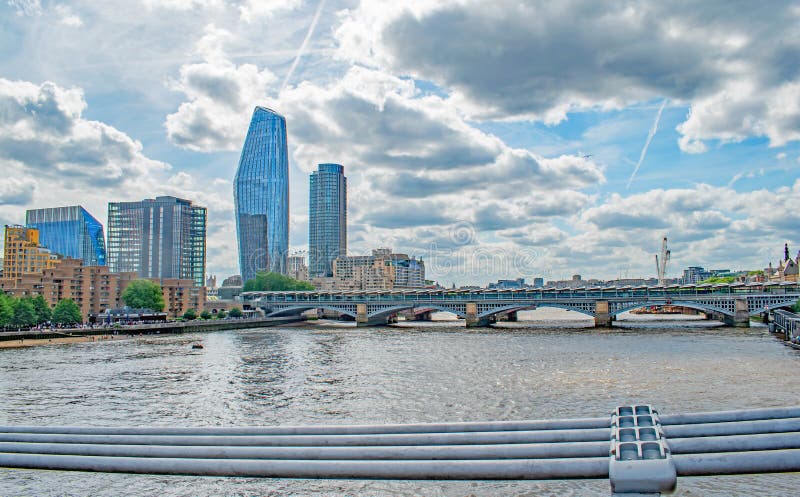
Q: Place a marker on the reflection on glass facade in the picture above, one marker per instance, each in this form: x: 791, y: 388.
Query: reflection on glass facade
x: 261, y: 196
x: 159, y: 238
x: 70, y: 232
x: 327, y: 226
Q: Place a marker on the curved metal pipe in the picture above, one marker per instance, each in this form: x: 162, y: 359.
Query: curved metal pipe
x: 463, y: 427
x: 518, y: 469
x: 474, y: 438
x: 428, y: 452
x: 732, y: 428
x: 730, y: 416
x: 737, y: 463
x: 737, y: 443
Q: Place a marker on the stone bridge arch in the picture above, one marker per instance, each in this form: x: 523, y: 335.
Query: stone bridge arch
x: 629, y: 306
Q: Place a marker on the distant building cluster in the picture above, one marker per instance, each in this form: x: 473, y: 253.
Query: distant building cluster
x: 383, y: 270
x: 696, y: 274
x: 261, y: 189
x: 786, y: 270
x: 61, y: 253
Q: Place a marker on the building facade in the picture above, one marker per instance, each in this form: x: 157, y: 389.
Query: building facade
x: 261, y: 196
x: 161, y: 238
x: 70, y: 232
x: 95, y: 289
x: 297, y: 268
x: 327, y: 223
x: 22, y: 253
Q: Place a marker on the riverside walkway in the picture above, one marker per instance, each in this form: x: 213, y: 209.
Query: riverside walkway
x: 149, y: 329
x: 638, y: 449
x: 730, y: 303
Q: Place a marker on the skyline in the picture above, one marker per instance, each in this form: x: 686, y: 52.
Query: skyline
x: 520, y: 154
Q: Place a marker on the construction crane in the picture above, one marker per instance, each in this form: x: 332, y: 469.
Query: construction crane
x: 661, y: 265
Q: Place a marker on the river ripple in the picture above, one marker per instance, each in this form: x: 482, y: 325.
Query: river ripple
x: 306, y: 375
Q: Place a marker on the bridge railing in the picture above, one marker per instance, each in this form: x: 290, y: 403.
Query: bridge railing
x: 789, y: 323
x: 524, y: 295
x: 638, y: 449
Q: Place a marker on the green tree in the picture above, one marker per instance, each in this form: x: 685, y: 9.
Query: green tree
x: 67, y: 312
x: 6, y: 310
x: 221, y: 314
x: 796, y: 306
x: 143, y: 294
x: 24, y: 313
x: 43, y: 312
x: 235, y: 313
x: 205, y: 315
x: 190, y: 315
x: 275, y: 282
x: 718, y: 279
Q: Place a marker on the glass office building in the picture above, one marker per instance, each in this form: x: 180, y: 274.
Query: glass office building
x: 327, y: 226
x: 261, y: 196
x: 162, y: 238
x: 70, y: 232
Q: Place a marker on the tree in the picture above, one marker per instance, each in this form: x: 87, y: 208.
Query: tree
x: 718, y: 279
x: 275, y: 282
x: 235, y: 313
x: 67, y: 312
x: 143, y: 294
x: 796, y: 306
x: 24, y: 313
x: 205, y: 315
x: 221, y: 314
x: 43, y: 312
x: 190, y: 315
x: 6, y: 310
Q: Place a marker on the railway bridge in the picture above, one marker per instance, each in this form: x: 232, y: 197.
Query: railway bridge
x: 733, y: 304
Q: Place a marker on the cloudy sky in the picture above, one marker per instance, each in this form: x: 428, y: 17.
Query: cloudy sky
x: 493, y: 139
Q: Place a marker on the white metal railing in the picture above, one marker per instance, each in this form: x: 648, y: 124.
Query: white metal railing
x: 618, y: 447
x: 789, y: 323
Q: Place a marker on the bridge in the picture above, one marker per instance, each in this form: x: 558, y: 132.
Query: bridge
x: 731, y: 303
x: 639, y: 450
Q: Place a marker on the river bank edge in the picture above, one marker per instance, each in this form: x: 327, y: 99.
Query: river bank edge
x: 75, y: 335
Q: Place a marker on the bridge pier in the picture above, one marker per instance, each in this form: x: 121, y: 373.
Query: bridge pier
x: 741, y: 316
x: 363, y: 319
x: 473, y: 321
x: 602, y: 318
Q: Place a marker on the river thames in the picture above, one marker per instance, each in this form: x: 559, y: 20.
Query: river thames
x: 410, y: 373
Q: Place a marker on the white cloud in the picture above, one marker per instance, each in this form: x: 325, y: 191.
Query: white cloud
x: 257, y: 10
x: 220, y: 96
x: 523, y: 60
x: 181, y: 4
x: 27, y: 7
x: 42, y: 127
x: 67, y: 17
x: 16, y: 191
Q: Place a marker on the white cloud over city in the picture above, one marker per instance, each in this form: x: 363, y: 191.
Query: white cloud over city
x: 493, y: 139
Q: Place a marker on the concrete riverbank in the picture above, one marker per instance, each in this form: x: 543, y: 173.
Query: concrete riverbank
x: 27, y: 338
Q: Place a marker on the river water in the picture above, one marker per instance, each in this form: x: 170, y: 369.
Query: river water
x: 411, y: 373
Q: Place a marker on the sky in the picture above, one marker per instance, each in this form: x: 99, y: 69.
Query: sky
x: 494, y: 140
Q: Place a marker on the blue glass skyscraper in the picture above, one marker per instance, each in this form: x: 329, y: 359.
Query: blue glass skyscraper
x: 261, y: 196
x: 327, y: 223
x: 70, y: 232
